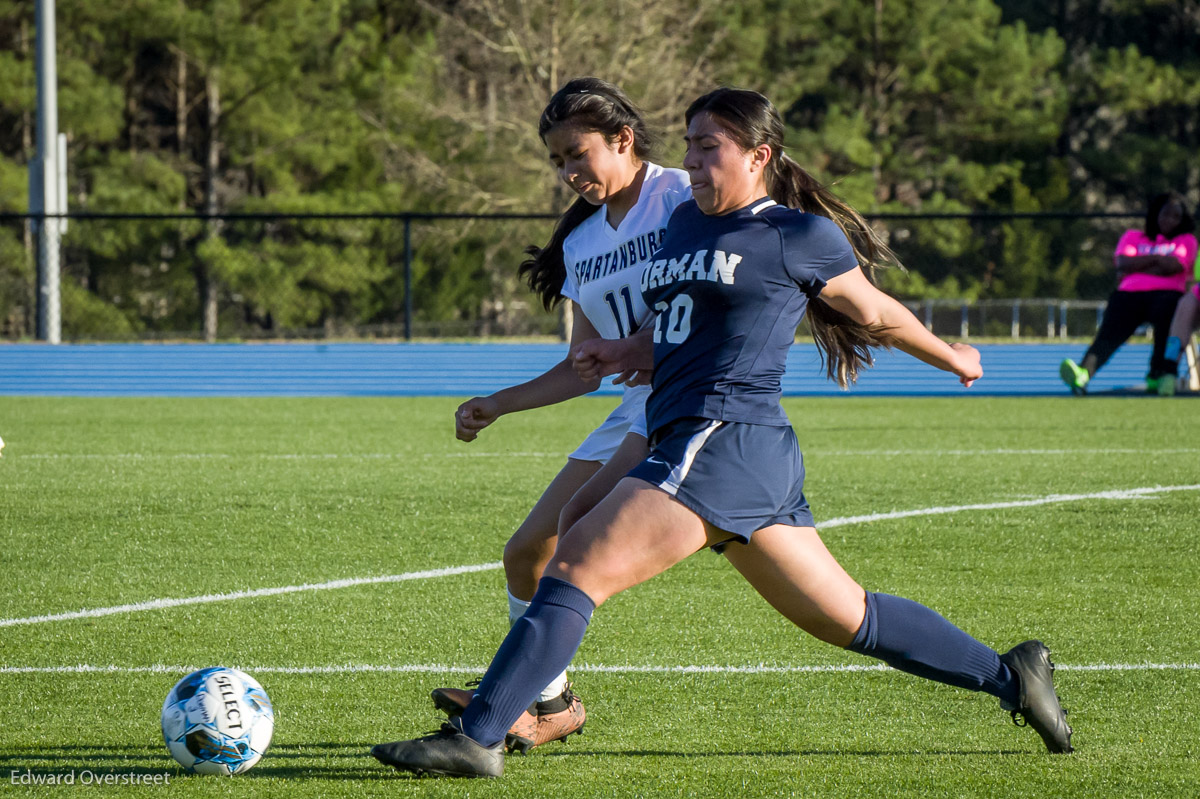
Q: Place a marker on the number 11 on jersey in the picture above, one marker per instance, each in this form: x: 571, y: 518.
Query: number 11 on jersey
x: 625, y: 322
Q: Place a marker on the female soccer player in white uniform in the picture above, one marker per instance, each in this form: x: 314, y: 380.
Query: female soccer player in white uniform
x: 599, y: 143
x: 736, y: 274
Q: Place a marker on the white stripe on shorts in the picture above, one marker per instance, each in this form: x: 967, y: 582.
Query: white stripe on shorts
x: 694, y: 445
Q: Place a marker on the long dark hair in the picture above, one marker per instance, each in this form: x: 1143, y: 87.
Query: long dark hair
x: 596, y: 106
x: 752, y: 121
x: 1186, y: 223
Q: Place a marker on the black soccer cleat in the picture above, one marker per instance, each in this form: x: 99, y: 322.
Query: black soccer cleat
x: 446, y: 753
x: 453, y: 701
x: 1038, y: 705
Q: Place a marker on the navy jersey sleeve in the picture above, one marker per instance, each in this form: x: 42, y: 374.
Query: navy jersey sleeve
x: 815, y: 250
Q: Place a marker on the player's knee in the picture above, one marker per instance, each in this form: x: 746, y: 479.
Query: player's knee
x: 840, y: 635
x: 598, y: 583
x: 567, y: 562
x: 519, y: 556
x: 572, y: 512
x: 566, y: 570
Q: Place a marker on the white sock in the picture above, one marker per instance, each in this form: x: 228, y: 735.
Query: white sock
x: 554, y: 689
x: 516, y: 609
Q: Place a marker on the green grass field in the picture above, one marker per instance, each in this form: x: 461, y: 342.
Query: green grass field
x: 111, y: 502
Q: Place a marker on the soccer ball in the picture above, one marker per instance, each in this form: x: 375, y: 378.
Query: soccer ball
x: 217, y: 721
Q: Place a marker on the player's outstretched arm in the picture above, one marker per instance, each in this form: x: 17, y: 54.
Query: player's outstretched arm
x: 855, y: 296
x: 557, y: 384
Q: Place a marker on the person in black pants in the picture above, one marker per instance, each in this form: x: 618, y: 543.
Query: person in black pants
x: 1155, y: 264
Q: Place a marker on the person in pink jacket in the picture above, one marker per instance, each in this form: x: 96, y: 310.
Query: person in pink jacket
x: 1155, y: 265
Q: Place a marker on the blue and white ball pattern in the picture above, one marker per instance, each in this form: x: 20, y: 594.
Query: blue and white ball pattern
x: 217, y: 721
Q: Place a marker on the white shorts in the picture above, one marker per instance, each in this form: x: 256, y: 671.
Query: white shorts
x: 628, y: 417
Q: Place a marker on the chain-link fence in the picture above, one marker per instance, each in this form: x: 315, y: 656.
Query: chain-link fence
x: 263, y: 276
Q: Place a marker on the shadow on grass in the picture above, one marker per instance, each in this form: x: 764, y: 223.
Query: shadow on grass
x: 403, y: 775
x: 279, y: 762
x: 794, y: 753
x: 42, y: 757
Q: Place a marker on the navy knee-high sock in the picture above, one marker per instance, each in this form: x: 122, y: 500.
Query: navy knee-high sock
x: 910, y: 637
x: 538, y: 648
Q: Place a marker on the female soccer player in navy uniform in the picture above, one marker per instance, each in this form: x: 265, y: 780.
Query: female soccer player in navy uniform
x: 737, y: 272
x: 599, y: 143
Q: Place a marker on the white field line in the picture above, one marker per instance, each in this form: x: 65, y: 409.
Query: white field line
x: 280, y: 456
x: 1120, y: 494
x: 159, y: 604
x: 854, y: 453
x: 436, y: 668
x: 1003, y: 451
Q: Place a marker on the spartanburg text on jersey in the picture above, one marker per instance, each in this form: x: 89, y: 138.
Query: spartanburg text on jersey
x: 604, y: 264
x: 729, y: 292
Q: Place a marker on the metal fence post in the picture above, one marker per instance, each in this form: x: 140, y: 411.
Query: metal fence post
x: 965, y: 326
x: 929, y: 315
x: 1016, y: 319
x: 1062, y: 320
x: 44, y: 179
x: 408, y: 278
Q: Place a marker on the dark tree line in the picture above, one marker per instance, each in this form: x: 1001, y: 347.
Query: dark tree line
x: 227, y: 106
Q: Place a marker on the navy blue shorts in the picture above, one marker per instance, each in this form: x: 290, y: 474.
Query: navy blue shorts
x: 738, y: 477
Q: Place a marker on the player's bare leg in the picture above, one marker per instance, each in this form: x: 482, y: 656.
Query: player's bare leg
x: 635, y: 533
x: 1182, y: 325
x: 530, y: 547
x: 525, y: 557
x: 792, y: 569
x: 633, y: 450
x: 558, y: 712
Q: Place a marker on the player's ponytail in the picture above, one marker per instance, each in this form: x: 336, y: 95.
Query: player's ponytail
x: 845, y: 345
x: 752, y: 121
x: 595, y: 106
x: 544, y: 270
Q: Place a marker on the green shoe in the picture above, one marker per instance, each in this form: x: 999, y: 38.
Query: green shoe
x: 1152, y: 385
x: 1166, y: 385
x: 1074, y: 375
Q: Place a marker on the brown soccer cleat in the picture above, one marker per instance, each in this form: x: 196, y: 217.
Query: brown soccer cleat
x: 521, y: 736
x: 543, y: 722
x: 558, y: 718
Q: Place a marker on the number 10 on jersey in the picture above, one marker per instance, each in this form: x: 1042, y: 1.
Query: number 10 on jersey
x: 674, y: 321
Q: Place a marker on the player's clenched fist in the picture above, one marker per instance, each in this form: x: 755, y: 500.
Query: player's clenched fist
x: 595, y: 358
x: 474, y: 415
x: 600, y: 357
x: 968, y: 366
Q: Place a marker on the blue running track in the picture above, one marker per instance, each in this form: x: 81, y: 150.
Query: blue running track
x: 279, y: 370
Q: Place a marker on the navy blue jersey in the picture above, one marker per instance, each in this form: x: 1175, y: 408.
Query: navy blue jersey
x: 729, y: 292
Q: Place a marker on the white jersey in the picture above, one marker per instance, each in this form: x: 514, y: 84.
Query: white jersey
x: 604, y: 275
x: 604, y: 265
